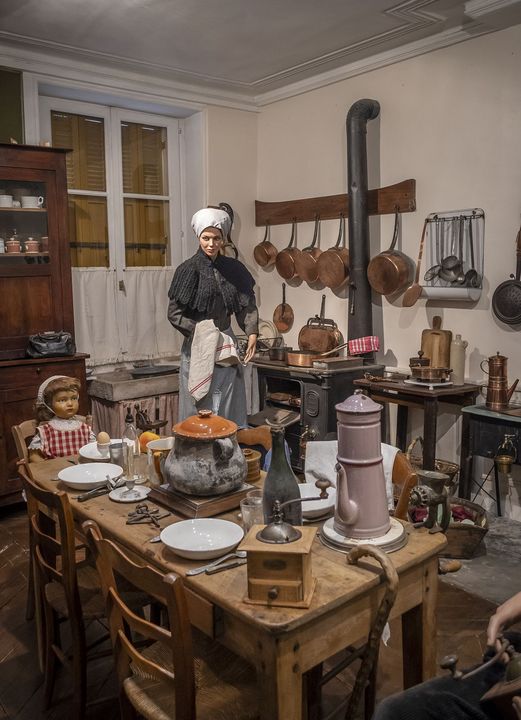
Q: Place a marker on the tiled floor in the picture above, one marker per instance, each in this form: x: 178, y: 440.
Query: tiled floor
x: 462, y: 619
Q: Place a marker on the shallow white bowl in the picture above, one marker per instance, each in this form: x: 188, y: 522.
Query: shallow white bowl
x: 202, y: 538
x: 88, y: 476
x: 90, y: 451
x: 316, y: 508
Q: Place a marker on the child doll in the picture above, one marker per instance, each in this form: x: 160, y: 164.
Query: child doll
x: 59, y: 432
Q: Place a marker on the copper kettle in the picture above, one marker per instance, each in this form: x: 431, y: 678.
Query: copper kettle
x: 498, y: 392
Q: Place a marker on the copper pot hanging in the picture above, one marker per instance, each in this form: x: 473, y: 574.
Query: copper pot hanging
x: 333, y: 264
x: 285, y: 261
x: 306, y: 261
x: 265, y: 252
x: 390, y: 271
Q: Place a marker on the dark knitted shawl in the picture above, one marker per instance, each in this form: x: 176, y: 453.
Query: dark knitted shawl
x: 195, y: 286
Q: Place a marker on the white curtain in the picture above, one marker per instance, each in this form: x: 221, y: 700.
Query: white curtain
x: 142, y: 332
x: 95, y: 316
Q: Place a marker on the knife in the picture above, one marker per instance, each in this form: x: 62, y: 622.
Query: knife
x: 92, y: 494
x: 226, y: 566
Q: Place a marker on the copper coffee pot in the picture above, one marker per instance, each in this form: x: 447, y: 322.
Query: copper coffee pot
x: 498, y: 392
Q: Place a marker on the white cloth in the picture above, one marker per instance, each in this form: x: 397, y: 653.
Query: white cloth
x: 211, y: 217
x: 210, y: 347
x: 321, y: 460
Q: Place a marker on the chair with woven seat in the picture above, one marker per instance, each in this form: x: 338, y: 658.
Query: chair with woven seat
x: 65, y: 589
x: 177, y: 676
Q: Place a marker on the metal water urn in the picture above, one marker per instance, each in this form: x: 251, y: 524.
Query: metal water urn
x: 361, y: 510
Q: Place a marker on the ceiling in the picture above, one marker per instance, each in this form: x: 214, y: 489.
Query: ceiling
x: 257, y: 49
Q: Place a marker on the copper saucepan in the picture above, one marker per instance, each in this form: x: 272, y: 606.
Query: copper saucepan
x: 391, y: 270
x: 333, y: 264
x: 285, y: 260
x: 265, y: 252
x: 306, y: 261
x: 306, y: 359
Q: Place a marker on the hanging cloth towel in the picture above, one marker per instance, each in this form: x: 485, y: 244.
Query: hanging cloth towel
x: 210, y: 346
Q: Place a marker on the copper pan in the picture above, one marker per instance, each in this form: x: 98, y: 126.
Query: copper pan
x: 285, y: 261
x: 265, y: 252
x: 306, y: 261
x: 390, y: 271
x: 306, y: 359
x: 333, y: 264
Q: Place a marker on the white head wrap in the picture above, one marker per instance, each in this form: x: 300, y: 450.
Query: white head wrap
x: 211, y: 217
x: 40, y: 401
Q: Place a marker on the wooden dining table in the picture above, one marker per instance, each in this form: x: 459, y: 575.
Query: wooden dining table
x: 284, y: 643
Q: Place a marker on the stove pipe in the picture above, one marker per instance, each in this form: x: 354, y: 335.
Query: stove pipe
x: 360, y: 320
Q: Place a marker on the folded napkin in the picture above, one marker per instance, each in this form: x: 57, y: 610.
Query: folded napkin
x: 363, y: 345
x: 210, y: 346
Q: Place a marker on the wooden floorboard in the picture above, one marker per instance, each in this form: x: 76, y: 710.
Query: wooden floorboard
x: 462, y: 622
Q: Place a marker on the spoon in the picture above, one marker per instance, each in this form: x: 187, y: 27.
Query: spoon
x: 414, y: 291
x: 460, y: 279
x: 204, y: 568
x: 472, y: 277
x: 433, y: 271
x: 451, y: 265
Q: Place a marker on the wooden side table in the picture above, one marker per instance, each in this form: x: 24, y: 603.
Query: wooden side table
x: 406, y: 396
x: 483, y: 431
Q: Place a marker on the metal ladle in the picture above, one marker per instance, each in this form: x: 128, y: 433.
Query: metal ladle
x: 460, y: 280
x: 451, y: 265
x: 472, y: 277
x: 433, y: 271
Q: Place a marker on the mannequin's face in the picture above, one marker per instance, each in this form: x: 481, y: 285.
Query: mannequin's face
x: 65, y: 404
x: 211, y: 241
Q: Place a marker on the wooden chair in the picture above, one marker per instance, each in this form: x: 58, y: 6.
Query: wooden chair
x: 260, y: 435
x: 65, y: 589
x: 404, y: 479
x: 165, y: 681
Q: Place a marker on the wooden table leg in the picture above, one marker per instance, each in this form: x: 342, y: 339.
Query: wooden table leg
x: 419, y: 632
x: 401, y: 427
x: 280, y: 680
x: 430, y: 419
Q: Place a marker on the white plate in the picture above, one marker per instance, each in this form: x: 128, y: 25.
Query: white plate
x: 118, y: 495
x: 316, y: 509
x: 203, y: 538
x: 90, y: 451
x: 428, y: 384
x: 267, y: 329
x: 88, y: 476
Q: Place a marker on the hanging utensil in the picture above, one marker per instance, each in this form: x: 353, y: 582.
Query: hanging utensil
x: 460, y: 278
x: 433, y: 272
x: 506, y: 301
x: 306, y: 261
x: 390, y: 271
x: 414, y: 291
x: 333, y: 264
x: 265, y: 252
x: 472, y: 277
x: 451, y: 265
x: 319, y: 333
x: 285, y: 260
x: 283, y: 314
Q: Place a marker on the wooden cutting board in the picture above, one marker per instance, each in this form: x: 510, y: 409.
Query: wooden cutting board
x: 436, y: 344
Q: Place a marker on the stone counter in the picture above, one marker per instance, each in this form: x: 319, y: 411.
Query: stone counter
x: 120, y: 385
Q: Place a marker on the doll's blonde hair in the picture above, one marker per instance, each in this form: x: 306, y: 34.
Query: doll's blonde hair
x: 43, y: 405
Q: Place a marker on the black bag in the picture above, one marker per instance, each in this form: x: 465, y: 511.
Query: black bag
x: 50, y: 344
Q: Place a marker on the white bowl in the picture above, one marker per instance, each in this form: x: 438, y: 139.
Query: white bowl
x: 202, y: 538
x: 88, y: 476
x: 90, y: 451
x: 316, y: 508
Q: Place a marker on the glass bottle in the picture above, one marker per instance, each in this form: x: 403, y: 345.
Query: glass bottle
x: 281, y: 483
x: 131, y: 440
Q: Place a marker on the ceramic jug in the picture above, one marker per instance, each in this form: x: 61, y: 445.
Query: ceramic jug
x: 457, y: 360
x: 206, y: 458
x: 361, y: 510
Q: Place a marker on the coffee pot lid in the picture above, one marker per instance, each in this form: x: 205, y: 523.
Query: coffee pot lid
x: 358, y: 403
x: 205, y: 426
x: 497, y: 357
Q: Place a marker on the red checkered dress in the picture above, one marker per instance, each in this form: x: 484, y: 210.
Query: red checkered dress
x: 60, y: 443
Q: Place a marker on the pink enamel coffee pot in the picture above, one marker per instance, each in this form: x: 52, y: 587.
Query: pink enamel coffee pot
x: 361, y: 510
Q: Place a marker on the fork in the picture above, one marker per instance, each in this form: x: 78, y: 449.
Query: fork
x: 204, y: 568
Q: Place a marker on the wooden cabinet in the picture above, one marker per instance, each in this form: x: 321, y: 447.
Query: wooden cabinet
x: 35, y: 288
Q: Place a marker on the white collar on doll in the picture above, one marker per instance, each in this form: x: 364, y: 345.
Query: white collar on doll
x: 59, y: 423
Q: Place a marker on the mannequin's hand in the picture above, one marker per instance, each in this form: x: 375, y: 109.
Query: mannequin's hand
x: 516, y: 702
x: 250, y: 349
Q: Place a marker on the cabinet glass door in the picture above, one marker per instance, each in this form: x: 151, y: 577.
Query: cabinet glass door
x: 24, y: 236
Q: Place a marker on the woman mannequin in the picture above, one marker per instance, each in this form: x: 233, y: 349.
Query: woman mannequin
x: 59, y: 432
x: 210, y: 286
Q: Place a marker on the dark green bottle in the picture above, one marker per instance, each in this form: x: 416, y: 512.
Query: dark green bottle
x: 281, y: 482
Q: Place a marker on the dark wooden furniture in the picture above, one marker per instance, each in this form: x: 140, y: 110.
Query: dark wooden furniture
x: 406, y: 396
x: 36, y: 290
x: 482, y: 433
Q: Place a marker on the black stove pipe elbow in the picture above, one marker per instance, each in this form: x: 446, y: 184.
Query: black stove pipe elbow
x: 360, y: 319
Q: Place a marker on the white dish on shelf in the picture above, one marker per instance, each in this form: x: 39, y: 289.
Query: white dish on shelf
x: 122, y: 495
x: 202, y: 538
x: 90, y: 451
x: 316, y: 509
x: 88, y: 476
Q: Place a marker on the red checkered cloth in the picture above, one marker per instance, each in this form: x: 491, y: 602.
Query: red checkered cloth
x: 364, y: 345
x: 60, y: 443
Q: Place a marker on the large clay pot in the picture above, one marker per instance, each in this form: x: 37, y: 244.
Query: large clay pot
x: 206, y: 458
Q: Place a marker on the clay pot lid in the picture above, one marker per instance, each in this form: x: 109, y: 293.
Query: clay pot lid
x: 358, y: 403
x: 205, y: 426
